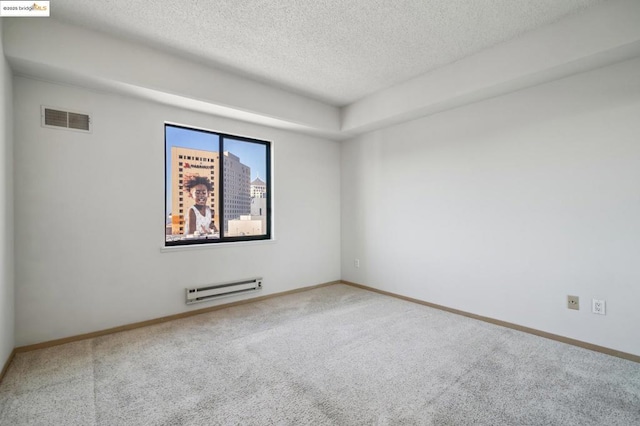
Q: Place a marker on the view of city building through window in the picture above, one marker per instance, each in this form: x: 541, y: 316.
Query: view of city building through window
x: 216, y: 187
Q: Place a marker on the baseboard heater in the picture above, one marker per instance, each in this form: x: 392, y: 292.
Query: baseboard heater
x: 215, y: 291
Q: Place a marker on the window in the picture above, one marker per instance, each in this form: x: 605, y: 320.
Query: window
x: 210, y: 196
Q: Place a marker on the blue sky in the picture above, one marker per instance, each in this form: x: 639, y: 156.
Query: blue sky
x: 250, y: 154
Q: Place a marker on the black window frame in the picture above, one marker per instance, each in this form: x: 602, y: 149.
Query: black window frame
x: 221, y: 182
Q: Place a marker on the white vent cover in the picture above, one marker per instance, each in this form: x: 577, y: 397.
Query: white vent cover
x: 61, y: 119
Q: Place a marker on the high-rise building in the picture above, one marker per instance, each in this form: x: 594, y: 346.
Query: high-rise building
x: 258, y: 207
x: 186, y: 162
x: 258, y: 188
x: 237, y: 192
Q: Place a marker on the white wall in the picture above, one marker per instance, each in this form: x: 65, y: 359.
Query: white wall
x: 90, y: 216
x: 6, y: 211
x: 504, y: 207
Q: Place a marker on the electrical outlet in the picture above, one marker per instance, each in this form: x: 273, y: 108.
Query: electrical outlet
x: 573, y: 302
x: 356, y: 263
x: 598, y: 306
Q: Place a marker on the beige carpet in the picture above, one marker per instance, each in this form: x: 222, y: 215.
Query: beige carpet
x: 335, y: 355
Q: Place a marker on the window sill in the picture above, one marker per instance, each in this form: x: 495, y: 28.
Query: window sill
x: 173, y: 249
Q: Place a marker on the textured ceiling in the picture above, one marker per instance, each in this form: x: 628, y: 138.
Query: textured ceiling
x: 336, y: 51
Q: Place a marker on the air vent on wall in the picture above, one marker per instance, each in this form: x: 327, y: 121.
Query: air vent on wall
x: 60, y: 119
